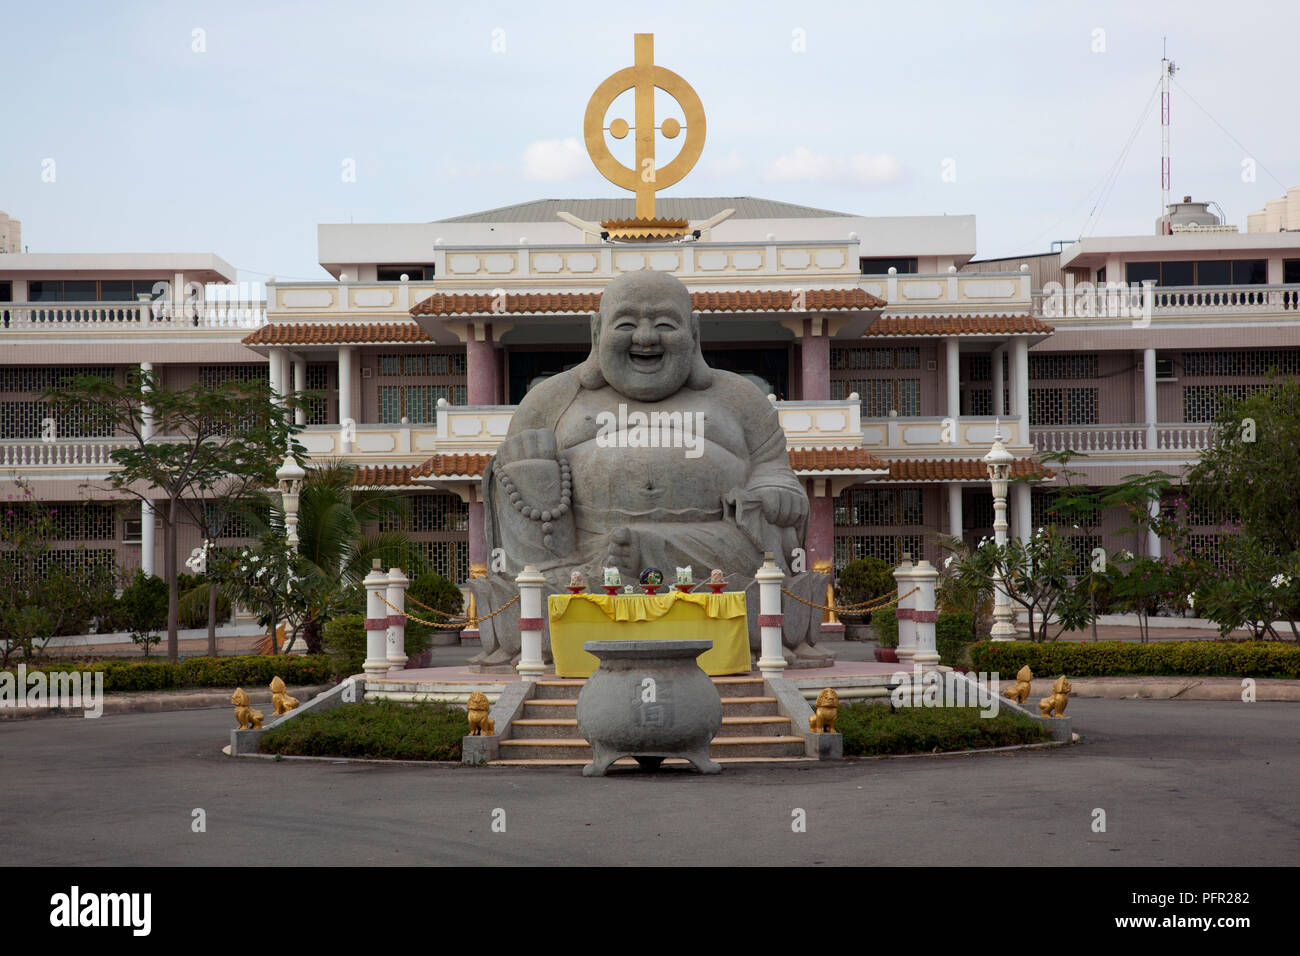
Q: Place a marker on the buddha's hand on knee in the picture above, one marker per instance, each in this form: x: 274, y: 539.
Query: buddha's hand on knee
x: 783, y: 507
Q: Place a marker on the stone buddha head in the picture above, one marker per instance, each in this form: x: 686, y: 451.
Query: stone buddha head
x: 645, y: 341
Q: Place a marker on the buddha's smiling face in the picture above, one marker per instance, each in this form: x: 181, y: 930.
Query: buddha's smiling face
x: 647, y: 337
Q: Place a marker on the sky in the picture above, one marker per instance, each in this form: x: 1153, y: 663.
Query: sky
x: 236, y: 127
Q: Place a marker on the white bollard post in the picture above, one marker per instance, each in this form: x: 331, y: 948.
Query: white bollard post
x: 903, y: 611
x: 530, y: 664
x: 397, y: 582
x: 924, y: 617
x: 376, y: 583
x: 771, y: 621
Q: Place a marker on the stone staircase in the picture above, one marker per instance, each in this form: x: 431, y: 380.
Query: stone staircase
x: 752, y: 729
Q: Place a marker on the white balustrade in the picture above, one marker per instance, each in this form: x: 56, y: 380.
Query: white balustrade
x: 1090, y: 439
x: 217, y: 314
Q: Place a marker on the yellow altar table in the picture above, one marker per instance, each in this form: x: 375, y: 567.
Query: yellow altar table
x: 575, y: 618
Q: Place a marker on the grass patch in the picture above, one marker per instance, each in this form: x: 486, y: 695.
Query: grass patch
x: 871, y: 730
x: 383, y: 730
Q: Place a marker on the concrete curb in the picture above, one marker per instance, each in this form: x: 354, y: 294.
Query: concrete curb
x: 1170, y: 688
x: 157, y: 703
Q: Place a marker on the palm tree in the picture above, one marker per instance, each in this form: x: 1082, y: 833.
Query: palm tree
x: 337, y: 536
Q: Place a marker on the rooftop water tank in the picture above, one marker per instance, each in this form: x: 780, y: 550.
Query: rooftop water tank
x: 1188, y: 213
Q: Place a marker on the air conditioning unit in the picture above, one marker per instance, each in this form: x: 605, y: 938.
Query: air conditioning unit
x: 365, y: 373
x: 1165, y: 370
x: 132, y: 531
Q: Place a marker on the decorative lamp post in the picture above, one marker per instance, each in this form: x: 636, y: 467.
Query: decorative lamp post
x: 290, y: 477
x: 998, y: 462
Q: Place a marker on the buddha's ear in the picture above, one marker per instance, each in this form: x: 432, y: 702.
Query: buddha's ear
x: 590, y: 375
x: 701, y: 376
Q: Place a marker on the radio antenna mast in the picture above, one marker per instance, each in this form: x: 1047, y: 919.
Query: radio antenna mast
x: 1167, y: 70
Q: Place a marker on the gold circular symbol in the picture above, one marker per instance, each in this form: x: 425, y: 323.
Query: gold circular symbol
x: 645, y: 178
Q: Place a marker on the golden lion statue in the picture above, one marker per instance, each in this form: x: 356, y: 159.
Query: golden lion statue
x: 822, y: 720
x: 1060, y: 697
x: 280, y: 699
x: 1020, y: 692
x: 244, y: 712
x: 480, y: 724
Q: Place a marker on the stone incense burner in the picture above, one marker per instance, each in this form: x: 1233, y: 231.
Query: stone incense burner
x: 649, y: 700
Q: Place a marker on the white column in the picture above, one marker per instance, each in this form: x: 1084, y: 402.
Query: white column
x: 999, y: 385
x: 954, y: 510
x: 300, y: 383
x: 278, y: 368
x: 376, y: 584
x: 530, y: 664
x: 1020, y: 375
x: 771, y: 621
x: 1149, y: 395
x: 397, y: 582
x: 345, y: 400
x: 903, y: 611
x: 1154, y: 548
x: 924, y: 616
x: 146, y: 507
x: 146, y: 538
x: 1023, y: 504
x: 952, y: 365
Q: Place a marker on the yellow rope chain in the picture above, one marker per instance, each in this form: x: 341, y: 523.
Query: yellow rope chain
x: 459, y: 625
x: 860, y: 608
x: 433, y: 609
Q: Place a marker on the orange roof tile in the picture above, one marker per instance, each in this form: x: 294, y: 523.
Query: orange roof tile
x: 441, y: 465
x: 533, y: 303
x: 1001, y: 324
x: 834, y: 459
x: 966, y: 469
x: 382, y: 476
x: 336, y: 333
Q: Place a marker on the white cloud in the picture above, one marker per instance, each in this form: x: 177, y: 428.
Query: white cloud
x: 804, y: 165
x: 731, y: 163
x: 551, y: 160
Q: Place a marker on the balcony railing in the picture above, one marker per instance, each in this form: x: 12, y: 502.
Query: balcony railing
x: 1091, y: 439
x: 89, y: 452
x: 1128, y: 301
x: 44, y: 316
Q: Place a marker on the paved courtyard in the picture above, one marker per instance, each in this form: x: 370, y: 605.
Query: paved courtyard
x: 1181, y: 783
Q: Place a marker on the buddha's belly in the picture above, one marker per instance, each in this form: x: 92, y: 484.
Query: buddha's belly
x: 613, y: 486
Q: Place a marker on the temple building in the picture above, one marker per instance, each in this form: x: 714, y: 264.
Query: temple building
x: 891, y: 353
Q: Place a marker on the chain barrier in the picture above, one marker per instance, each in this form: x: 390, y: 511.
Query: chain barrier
x: 853, y: 608
x: 457, y: 626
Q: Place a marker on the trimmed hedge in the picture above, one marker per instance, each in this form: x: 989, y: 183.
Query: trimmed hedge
x: 873, y: 730
x: 951, y: 636
x: 345, y: 641
x: 1116, y: 658
x: 253, y: 670
x: 884, y: 625
x: 430, y: 731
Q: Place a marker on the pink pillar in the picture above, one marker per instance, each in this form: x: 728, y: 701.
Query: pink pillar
x: 820, y: 542
x: 816, y: 365
x: 483, y: 383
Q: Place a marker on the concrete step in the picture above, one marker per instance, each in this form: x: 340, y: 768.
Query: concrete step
x: 575, y: 748
x: 544, y: 728
x: 782, y: 746
x: 557, y: 688
x: 765, y: 726
x: 551, y: 727
x: 631, y: 762
x: 739, y: 686
x: 749, y: 707
x: 731, y: 707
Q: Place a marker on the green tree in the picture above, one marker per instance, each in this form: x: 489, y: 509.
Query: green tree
x: 338, y: 540
x: 202, y: 436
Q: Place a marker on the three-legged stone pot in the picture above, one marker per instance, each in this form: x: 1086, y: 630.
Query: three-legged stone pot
x: 649, y: 700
